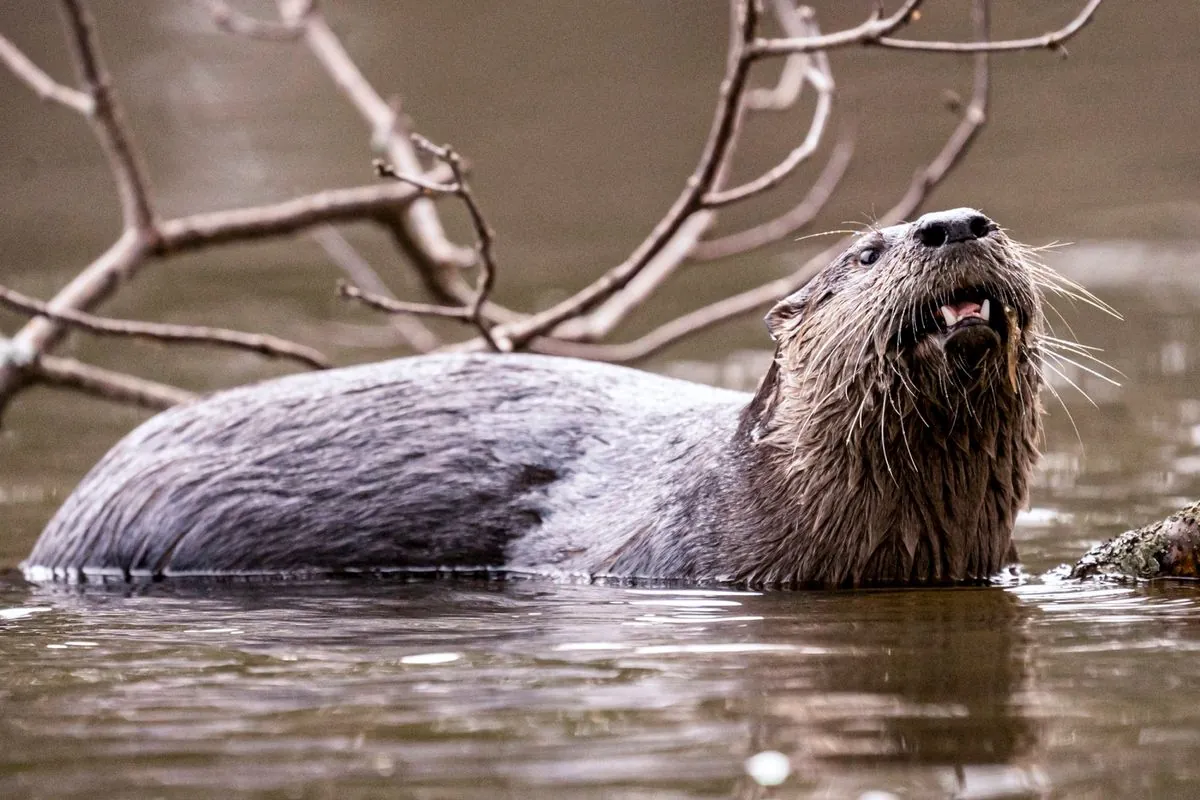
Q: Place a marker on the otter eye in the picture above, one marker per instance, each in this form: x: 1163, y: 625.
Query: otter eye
x: 868, y: 256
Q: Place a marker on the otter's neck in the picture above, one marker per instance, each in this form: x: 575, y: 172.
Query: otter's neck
x: 884, y: 476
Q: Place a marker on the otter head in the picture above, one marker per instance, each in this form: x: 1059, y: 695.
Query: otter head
x: 900, y: 417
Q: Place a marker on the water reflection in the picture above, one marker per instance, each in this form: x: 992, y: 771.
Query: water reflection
x: 517, y: 685
x: 479, y: 689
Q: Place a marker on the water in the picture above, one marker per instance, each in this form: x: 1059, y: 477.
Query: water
x: 458, y: 689
x: 455, y: 688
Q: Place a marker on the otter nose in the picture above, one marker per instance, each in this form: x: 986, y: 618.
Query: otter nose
x: 957, y: 225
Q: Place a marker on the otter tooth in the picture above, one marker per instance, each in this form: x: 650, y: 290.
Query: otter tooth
x: 948, y: 315
x: 985, y: 310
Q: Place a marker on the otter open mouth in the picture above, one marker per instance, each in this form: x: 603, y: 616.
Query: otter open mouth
x: 964, y: 310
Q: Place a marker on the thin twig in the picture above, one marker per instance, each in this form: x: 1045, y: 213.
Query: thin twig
x: 787, y: 223
x: 874, y: 28
x: 438, y: 259
x: 108, y: 121
x: 230, y: 20
x: 360, y: 272
x: 604, y: 316
x: 283, y: 218
x: 483, y: 232
x: 816, y: 72
x: 67, y: 373
x: 973, y: 119
x: 823, y: 83
x: 794, y: 20
x: 41, y: 83
x: 262, y: 344
x: 428, y: 188
x: 1050, y: 41
x: 393, y: 306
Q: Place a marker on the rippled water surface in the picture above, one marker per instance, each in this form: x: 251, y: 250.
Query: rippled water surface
x: 454, y: 689
x: 581, y: 124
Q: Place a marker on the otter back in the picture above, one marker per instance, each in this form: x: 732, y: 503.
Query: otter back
x: 419, y: 462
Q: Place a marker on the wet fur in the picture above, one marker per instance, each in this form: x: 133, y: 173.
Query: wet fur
x: 861, y: 459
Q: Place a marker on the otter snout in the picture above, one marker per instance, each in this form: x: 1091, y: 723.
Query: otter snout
x: 948, y: 227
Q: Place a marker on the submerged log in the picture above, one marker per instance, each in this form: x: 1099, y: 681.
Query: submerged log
x: 1169, y: 548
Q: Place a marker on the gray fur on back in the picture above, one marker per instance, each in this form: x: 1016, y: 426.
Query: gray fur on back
x: 453, y: 460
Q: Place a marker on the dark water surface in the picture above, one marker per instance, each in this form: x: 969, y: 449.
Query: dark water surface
x: 582, y: 120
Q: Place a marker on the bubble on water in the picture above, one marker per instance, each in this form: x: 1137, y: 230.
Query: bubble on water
x: 768, y: 768
x: 431, y: 658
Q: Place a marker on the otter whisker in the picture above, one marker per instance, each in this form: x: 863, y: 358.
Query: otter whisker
x: 1073, y: 344
x: 1075, y: 296
x: 1071, y: 418
x: 1062, y: 358
x: 903, y: 427
x: 827, y: 233
x: 1059, y: 283
x: 1066, y: 378
x: 1083, y: 351
x: 1046, y: 302
x: 1031, y: 249
x: 1062, y: 353
x: 883, y: 443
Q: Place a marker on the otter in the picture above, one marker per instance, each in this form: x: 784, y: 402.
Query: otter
x: 890, y: 442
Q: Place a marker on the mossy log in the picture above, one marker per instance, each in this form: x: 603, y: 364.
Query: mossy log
x: 1169, y: 548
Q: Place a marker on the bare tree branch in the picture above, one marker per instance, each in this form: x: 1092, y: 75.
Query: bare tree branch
x: 973, y: 119
x: 362, y: 274
x: 407, y: 211
x: 435, y: 254
x: 41, y: 83
x: 289, y: 216
x: 417, y: 230
x: 795, y: 21
x: 108, y: 121
x: 130, y: 252
x: 427, y: 187
x: 1051, y: 41
x: 67, y: 373
x: 875, y: 28
x: 483, y: 232
x: 822, y: 81
x: 230, y: 20
x: 262, y: 344
x: 391, y: 306
x: 605, y: 317
x: 711, y: 164
x: 812, y: 68
x: 751, y: 300
x: 787, y: 223
x: 601, y: 320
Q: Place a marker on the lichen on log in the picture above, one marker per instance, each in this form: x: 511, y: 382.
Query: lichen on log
x: 1169, y: 548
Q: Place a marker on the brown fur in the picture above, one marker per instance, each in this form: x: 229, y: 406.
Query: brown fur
x: 880, y: 457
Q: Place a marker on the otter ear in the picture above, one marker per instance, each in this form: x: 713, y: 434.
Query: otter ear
x: 788, y: 313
